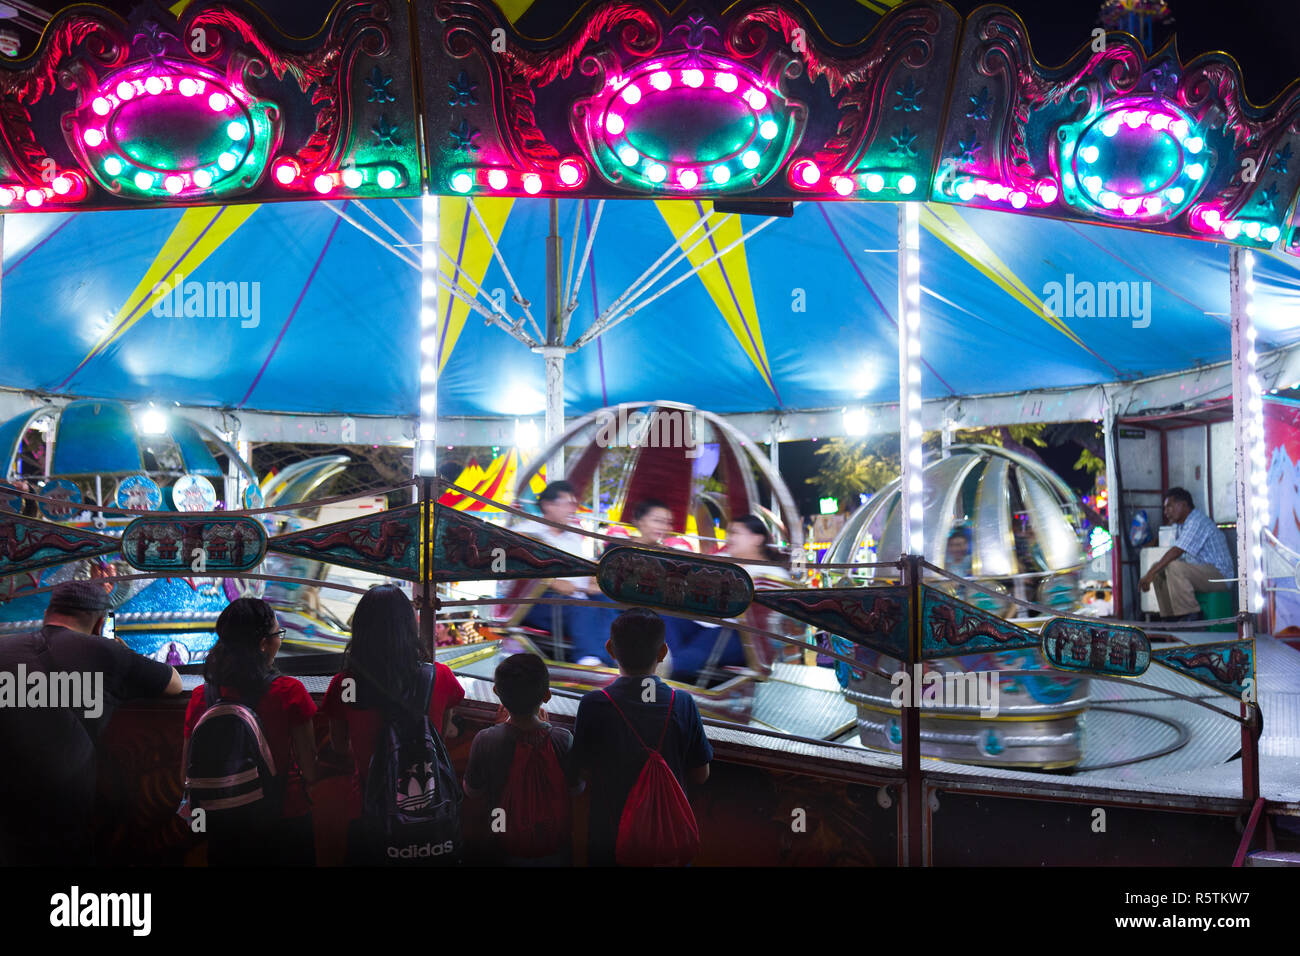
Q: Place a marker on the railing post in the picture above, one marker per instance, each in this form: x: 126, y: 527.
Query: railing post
x: 428, y: 594
x: 1250, y: 731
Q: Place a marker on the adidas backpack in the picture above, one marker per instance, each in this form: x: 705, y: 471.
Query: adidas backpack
x: 229, y: 770
x: 538, y: 811
x: 411, y: 810
x: 658, y: 826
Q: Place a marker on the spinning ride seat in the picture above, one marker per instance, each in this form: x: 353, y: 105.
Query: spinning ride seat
x: 983, y: 488
x: 683, y: 474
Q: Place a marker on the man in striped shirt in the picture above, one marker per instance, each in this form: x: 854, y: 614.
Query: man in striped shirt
x: 1198, y: 561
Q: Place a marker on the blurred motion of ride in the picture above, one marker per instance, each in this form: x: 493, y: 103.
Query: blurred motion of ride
x: 997, y: 519
x: 705, y: 474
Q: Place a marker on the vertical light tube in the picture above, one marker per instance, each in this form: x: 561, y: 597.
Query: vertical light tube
x: 1248, y: 429
x: 1112, y: 506
x: 426, y: 448
x: 909, y: 378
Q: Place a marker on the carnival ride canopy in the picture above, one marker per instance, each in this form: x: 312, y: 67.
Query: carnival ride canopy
x: 800, y: 314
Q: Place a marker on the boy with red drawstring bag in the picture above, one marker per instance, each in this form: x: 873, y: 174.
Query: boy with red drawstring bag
x: 639, y: 743
x: 523, y: 770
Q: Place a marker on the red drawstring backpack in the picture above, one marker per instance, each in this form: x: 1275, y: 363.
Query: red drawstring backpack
x: 658, y: 826
x: 539, y: 813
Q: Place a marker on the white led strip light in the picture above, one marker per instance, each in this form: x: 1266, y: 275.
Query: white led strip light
x: 1256, y: 489
x: 912, y: 526
x: 426, y: 455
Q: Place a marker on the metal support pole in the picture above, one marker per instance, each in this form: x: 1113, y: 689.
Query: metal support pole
x: 911, y: 511
x: 553, y: 352
x: 1112, y: 508
x: 426, y: 447
x: 1252, y: 486
x: 911, y: 505
x: 428, y: 594
x: 554, y: 407
x: 1247, y: 428
x: 910, y: 722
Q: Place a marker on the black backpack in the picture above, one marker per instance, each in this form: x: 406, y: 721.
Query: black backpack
x: 229, y: 770
x: 411, y: 811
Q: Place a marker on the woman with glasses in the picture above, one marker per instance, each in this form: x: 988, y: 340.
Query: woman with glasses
x: 241, y: 666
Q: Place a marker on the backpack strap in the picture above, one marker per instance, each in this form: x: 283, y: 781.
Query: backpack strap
x: 428, y: 677
x: 212, y: 692
x: 663, y: 733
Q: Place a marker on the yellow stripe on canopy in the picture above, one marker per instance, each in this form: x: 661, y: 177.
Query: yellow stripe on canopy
x: 198, y: 234
x: 462, y: 239
x: 946, y: 224
x: 726, y: 278
x: 513, y: 9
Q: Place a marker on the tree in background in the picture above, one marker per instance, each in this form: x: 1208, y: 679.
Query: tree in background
x: 865, y: 466
x: 853, y: 467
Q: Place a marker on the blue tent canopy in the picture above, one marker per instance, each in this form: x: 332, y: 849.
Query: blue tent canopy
x: 299, y: 310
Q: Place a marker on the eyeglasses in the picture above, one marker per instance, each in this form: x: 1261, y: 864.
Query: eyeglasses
x: 279, y: 634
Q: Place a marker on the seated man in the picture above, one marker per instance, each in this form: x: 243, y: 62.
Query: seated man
x: 1193, y: 564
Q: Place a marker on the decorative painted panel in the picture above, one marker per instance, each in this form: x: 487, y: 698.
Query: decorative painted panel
x: 632, y: 101
x: 950, y: 628
x: 387, y: 543
x: 215, y: 106
x: 29, y: 545
x: 1115, y: 136
x: 466, y: 548
x: 207, y: 545
x: 1225, y: 665
x: 873, y: 617
x: 1096, y: 647
x: 675, y: 583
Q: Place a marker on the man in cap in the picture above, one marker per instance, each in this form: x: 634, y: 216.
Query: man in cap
x: 58, y: 689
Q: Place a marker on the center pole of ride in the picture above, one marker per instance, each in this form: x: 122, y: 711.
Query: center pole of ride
x: 554, y: 351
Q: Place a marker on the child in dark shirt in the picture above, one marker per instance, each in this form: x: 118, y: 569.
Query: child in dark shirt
x: 500, y: 771
x: 605, y: 747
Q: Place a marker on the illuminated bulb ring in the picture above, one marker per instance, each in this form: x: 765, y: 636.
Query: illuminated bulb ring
x: 1092, y: 192
x: 608, y: 126
x: 250, y: 124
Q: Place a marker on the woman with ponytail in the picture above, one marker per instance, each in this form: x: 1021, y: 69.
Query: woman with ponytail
x: 381, y: 670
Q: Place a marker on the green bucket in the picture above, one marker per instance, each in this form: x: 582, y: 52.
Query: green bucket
x: 1217, y: 604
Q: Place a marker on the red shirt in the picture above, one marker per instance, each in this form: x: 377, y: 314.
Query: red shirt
x: 364, y: 724
x: 285, y: 705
